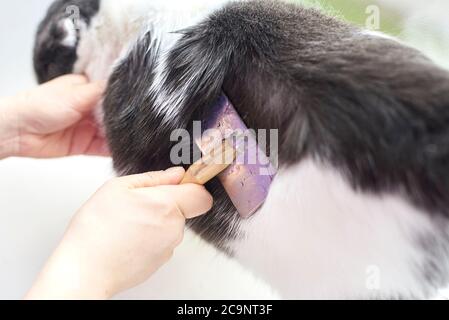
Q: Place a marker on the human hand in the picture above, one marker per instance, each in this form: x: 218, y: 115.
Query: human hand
x: 121, y: 236
x: 52, y: 120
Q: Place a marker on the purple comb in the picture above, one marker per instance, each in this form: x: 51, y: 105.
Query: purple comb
x: 247, y: 180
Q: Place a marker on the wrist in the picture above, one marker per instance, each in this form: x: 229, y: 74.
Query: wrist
x: 9, y: 128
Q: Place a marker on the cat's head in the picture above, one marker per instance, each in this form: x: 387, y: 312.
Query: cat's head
x: 58, y: 35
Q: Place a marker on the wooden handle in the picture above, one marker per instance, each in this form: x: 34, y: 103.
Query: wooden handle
x: 210, y: 165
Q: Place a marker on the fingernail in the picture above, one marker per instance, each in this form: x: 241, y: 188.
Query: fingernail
x: 175, y: 171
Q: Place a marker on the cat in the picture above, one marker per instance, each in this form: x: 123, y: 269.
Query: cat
x: 360, y: 205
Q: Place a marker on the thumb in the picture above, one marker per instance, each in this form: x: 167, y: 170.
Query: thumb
x: 87, y: 95
x: 75, y: 91
x: 172, y: 176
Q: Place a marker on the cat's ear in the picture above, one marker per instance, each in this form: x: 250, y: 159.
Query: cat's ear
x: 55, y: 49
x: 58, y: 35
x: 70, y: 28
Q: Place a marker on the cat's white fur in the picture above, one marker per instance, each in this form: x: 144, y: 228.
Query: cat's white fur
x: 119, y: 24
x: 315, y: 237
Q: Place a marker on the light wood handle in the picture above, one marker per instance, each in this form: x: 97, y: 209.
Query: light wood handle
x: 210, y: 165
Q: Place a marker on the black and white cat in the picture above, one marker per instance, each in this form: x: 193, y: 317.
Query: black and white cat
x: 360, y: 206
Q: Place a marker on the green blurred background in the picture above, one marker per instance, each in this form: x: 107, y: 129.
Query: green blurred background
x: 421, y: 24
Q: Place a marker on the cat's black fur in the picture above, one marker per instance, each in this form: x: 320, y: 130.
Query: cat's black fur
x: 375, y: 109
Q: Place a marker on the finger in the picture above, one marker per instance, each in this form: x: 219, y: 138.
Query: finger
x: 98, y: 147
x: 69, y: 79
x: 193, y: 200
x: 152, y: 179
x: 87, y: 96
x: 81, y: 94
x: 86, y: 139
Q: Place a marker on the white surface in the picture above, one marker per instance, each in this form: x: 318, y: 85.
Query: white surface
x: 38, y: 198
